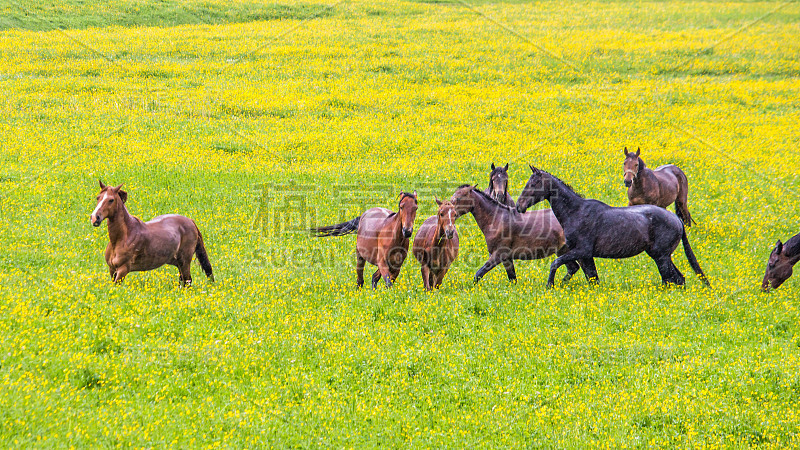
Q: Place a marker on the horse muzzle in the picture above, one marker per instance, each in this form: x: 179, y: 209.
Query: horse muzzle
x: 407, y: 232
x: 96, y: 221
x: 627, y: 183
x: 449, y: 234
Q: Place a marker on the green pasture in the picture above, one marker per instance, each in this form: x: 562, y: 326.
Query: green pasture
x: 259, y: 120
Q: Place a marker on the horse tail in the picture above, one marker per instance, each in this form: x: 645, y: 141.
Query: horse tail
x: 693, y: 259
x: 202, y: 256
x: 340, y: 229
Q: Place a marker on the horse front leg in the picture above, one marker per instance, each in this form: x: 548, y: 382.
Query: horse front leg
x: 426, y: 276
x: 386, y: 274
x: 589, y: 270
x: 572, y: 269
x: 510, y: 271
x: 439, y: 277
x: 185, y: 274
x: 376, y: 276
x: 568, y: 257
x: 493, y: 260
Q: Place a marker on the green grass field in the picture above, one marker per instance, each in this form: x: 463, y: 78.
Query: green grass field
x: 259, y: 120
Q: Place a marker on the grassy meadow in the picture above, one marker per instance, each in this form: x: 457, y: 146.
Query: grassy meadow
x: 258, y: 120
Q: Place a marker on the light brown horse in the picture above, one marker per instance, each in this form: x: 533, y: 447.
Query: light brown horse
x: 781, y: 260
x: 498, y: 185
x: 382, y: 238
x: 661, y: 187
x: 510, y: 234
x: 436, y: 245
x: 136, y: 246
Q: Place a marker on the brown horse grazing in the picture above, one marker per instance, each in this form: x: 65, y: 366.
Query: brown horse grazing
x: 661, y: 187
x: 136, y: 246
x: 509, y: 234
x: 382, y: 238
x: 781, y: 260
x: 436, y: 245
x: 498, y: 185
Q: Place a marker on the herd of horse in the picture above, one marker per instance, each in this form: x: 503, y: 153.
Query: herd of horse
x: 575, y: 229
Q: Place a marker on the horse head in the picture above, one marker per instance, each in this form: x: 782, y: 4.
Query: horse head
x: 446, y: 218
x: 534, y: 192
x: 498, y: 183
x: 109, y: 201
x: 779, y: 268
x: 407, y: 209
x: 631, y: 166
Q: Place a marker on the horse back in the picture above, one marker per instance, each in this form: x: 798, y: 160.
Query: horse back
x: 172, y: 230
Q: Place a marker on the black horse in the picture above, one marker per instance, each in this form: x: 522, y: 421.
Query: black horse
x: 595, y: 230
x: 780, y: 262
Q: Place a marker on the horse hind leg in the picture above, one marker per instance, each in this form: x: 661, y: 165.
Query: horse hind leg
x: 681, y: 208
x: 360, y: 271
x: 669, y: 272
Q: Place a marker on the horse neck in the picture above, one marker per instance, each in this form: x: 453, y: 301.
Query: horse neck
x: 120, y: 225
x: 437, y: 237
x: 792, y: 249
x: 396, y: 225
x: 563, y: 200
x: 485, y: 211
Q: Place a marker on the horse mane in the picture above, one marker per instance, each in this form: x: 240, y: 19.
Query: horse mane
x: 488, y: 197
x: 792, y: 246
x: 403, y: 195
x: 567, y: 185
x: 642, y: 165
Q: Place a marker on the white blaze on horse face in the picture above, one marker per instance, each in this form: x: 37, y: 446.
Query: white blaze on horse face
x: 100, y: 205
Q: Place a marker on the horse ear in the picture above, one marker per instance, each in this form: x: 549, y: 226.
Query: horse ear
x: 123, y: 196
x: 778, y: 247
x: 625, y: 151
x: 638, y: 151
x: 492, y: 166
x: 438, y: 202
x: 506, y: 168
x: 415, y: 193
x: 102, y: 185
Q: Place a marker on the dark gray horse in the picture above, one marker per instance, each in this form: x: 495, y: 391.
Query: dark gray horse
x: 498, y: 185
x: 595, y: 230
x: 781, y: 260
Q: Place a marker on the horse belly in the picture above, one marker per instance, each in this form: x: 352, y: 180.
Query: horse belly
x: 620, y: 245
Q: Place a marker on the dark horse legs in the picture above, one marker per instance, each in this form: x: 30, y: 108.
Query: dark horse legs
x: 669, y: 272
x: 508, y: 264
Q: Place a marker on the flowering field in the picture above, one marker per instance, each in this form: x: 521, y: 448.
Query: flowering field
x: 259, y: 121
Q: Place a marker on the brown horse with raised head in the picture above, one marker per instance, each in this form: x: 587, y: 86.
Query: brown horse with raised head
x: 510, y: 234
x: 136, y: 246
x: 382, y: 238
x: 436, y: 245
x: 661, y: 187
x: 498, y: 185
x: 781, y: 260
